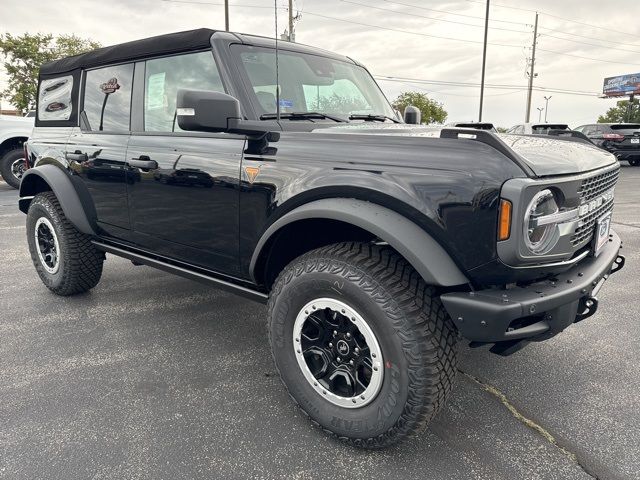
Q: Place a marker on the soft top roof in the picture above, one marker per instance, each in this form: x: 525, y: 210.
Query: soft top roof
x: 160, y: 45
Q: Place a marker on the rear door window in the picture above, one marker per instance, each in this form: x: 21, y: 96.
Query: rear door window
x: 107, y: 98
x: 163, y: 78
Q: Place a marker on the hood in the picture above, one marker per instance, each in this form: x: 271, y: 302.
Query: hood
x: 16, y: 119
x: 544, y: 155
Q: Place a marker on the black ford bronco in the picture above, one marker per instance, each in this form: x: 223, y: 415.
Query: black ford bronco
x: 281, y: 173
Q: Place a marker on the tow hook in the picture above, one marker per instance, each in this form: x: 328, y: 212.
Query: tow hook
x: 617, y: 264
x: 587, y: 307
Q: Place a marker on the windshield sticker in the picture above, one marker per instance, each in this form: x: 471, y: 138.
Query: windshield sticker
x: 155, y: 91
x: 286, y: 103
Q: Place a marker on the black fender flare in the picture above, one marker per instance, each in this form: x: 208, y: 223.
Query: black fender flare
x: 424, y: 253
x: 80, y: 214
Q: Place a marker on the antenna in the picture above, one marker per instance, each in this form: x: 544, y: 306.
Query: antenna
x: 275, y: 4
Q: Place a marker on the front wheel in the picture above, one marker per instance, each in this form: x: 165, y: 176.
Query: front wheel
x: 65, y: 259
x: 362, y: 344
x: 634, y: 162
x: 12, y: 165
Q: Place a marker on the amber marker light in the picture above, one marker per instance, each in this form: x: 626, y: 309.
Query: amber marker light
x: 504, y: 222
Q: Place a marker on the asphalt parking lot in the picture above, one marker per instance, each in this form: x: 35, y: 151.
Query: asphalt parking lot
x: 154, y: 376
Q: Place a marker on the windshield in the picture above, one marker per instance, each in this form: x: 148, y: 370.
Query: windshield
x: 310, y: 83
x: 545, y: 127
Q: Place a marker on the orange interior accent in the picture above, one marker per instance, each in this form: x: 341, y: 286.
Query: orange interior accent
x: 504, y: 223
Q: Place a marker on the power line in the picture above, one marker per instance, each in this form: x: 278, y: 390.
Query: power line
x: 588, y: 37
x: 635, y: 35
x: 408, y: 31
x: 558, y: 17
x: 451, y: 13
x: 430, y: 18
x: 488, y: 85
x: 590, y: 44
x: 587, y: 58
x: 193, y: 2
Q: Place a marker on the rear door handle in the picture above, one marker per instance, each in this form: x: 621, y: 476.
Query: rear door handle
x: 77, y: 156
x: 143, y: 162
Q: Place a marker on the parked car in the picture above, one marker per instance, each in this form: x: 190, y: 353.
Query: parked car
x: 621, y: 139
x: 537, y: 128
x: 14, y: 131
x: 475, y: 125
x: 375, y: 247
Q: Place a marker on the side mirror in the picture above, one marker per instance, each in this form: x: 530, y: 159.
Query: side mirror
x: 208, y: 111
x: 412, y: 115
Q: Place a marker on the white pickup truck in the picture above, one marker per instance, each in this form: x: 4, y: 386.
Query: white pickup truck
x: 14, y: 131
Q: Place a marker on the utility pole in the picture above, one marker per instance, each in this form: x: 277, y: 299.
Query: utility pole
x: 531, y: 71
x: 292, y: 36
x: 546, y: 107
x: 226, y: 15
x: 484, y: 59
x: 540, y: 109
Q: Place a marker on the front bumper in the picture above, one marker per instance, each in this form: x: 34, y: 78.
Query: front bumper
x: 512, y: 317
x: 624, y: 153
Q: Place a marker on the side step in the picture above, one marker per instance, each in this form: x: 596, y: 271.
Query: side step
x: 137, y: 258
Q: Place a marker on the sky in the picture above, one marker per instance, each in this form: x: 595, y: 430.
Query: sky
x: 424, y: 45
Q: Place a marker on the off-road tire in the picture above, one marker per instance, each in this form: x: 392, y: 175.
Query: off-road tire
x: 417, y: 338
x: 5, y: 166
x: 80, y: 262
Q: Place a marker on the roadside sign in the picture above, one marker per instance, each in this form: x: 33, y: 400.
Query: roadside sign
x: 622, y: 85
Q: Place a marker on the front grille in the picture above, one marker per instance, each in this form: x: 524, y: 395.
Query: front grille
x: 591, y: 188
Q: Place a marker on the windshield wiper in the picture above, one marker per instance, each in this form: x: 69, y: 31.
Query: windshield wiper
x: 301, y: 116
x: 372, y: 117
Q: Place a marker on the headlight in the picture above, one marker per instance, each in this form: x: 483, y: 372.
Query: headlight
x: 540, y: 235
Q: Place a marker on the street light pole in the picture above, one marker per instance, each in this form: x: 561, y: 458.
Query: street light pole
x: 540, y: 109
x: 226, y: 15
x: 546, y: 107
x: 484, y: 59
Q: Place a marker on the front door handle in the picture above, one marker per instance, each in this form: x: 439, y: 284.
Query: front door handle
x: 77, y: 156
x: 143, y: 162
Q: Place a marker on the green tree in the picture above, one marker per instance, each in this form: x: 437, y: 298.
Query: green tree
x: 620, y: 113
x: 432, y: 111
x: 23, y: 55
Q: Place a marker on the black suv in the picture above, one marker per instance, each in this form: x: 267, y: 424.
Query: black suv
x: 283, y: 175
x: 621, y: 139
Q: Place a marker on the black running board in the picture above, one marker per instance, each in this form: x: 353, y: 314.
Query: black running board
x: 183, y: 272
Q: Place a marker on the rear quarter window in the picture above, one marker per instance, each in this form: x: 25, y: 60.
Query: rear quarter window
x: 55, y: 99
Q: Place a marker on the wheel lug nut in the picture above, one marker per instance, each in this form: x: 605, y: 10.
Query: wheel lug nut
x: 348, y: 335
x: 338, y: 359
x: 330, y: 345
x: 357, y: 350
x: 335, y: 332
x: 351, y: 362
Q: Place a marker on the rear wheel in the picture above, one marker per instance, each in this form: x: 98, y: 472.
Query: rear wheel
x: 65, y: 259
x: 362, y: 344
x: 634, y: 162
x: 12, y: 166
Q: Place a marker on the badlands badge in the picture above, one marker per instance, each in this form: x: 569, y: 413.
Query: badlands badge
x: 251, y: 173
